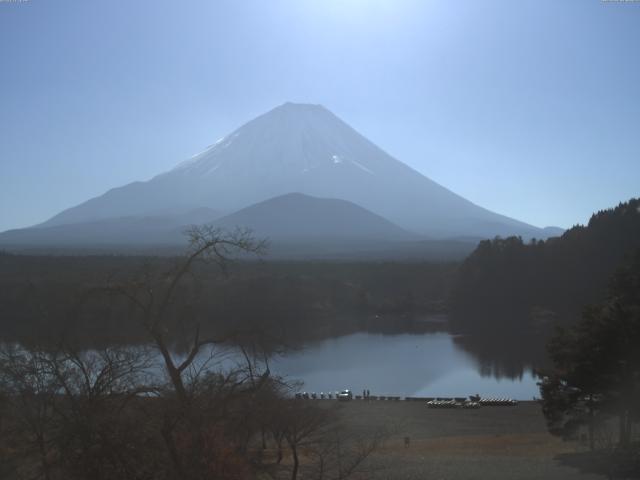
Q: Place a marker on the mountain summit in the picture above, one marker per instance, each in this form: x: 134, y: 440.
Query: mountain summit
x: 301, y: 218
x: 306, y: 149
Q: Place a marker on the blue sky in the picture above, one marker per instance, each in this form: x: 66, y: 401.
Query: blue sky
x: 528, y: 108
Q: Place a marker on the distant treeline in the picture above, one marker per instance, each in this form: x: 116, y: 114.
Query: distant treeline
x: 506, y: 289
x: 41, y: 296
x: 507, y: 286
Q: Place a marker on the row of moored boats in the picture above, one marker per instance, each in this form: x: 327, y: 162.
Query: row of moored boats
x: 472, y: 403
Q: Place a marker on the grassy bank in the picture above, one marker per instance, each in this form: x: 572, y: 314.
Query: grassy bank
x: 488, y: 443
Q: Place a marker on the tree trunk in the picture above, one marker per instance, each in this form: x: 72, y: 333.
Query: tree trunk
x: 296, y: 462
x: 624, y: 428
x: 591, y: 424
x: 174, y: 374
x: 171, y: 447
x: 43, y: 458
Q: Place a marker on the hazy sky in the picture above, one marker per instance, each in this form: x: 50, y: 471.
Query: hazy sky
x: 528, y: 108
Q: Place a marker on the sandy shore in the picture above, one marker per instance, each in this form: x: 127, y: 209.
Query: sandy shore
x: 510, y: 443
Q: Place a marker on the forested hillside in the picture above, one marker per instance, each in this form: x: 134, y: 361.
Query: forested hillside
x: 302, y: 301
x: 509, y: 285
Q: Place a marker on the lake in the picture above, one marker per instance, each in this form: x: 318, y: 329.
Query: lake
x: 409, y: 364
x: 430, y: 365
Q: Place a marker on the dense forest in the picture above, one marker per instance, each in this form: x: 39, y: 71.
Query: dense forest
x: 301, y: 301
x: 509, y: 286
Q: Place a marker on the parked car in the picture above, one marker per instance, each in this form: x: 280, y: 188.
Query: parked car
x: 345, y: 395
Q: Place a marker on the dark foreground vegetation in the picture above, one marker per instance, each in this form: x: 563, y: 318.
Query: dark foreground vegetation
x: 105, y: 415
x: 119, y: 413
x: 594, y: 388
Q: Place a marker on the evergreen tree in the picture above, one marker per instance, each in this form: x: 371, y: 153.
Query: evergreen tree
x: 596, y: 374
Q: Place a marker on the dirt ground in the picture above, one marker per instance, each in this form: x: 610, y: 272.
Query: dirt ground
x: 509, y: 443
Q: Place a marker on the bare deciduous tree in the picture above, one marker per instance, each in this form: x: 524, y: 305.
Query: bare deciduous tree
x: 172, y: 408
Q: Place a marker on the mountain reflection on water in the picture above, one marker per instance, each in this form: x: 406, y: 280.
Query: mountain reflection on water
x: 432, y: 364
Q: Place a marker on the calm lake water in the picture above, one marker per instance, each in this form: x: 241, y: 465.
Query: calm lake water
x: 426, y: 364
x: 430, y: 365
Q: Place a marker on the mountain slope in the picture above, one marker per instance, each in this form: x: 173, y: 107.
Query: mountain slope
x: 165, y: 229
x: 297, y: 226
x: 296, y: 216
x: 307, y: 149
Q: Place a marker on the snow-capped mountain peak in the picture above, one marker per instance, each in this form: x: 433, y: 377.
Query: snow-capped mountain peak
x: 300, y: 148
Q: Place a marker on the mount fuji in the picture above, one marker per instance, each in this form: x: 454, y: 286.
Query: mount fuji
x: 294, y: 148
